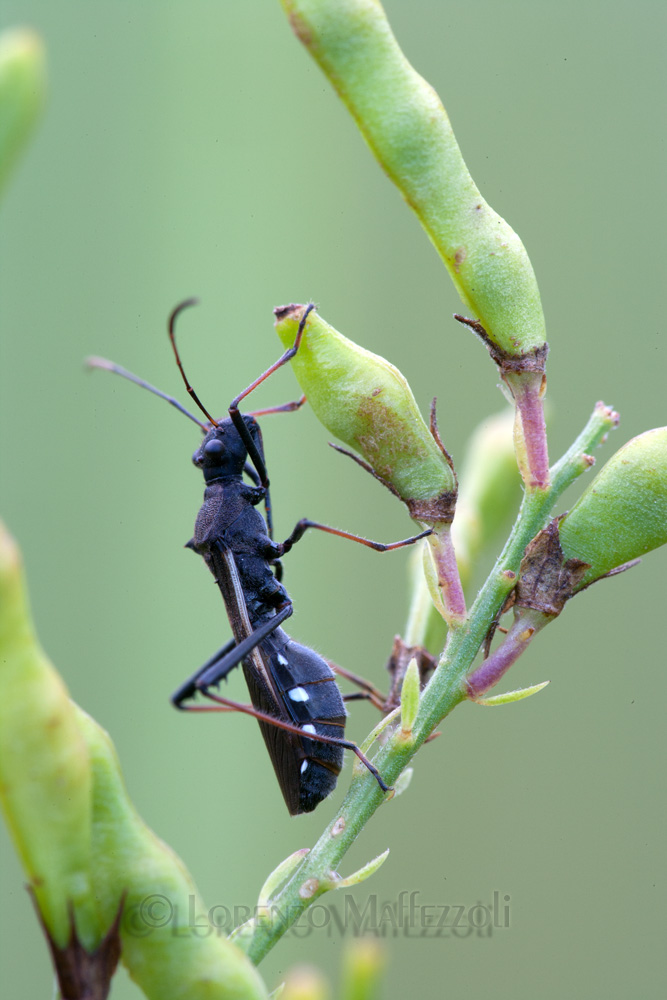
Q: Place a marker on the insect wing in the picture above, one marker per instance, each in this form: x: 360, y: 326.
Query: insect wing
x: 227, y: 577
x: 285, y: 748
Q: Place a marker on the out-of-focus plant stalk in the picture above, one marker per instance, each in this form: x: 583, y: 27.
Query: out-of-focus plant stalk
x: 22, y: 93
x: 45, y: 776
x: 100, y: 877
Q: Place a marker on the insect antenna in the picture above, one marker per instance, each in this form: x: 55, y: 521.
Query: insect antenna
x: 110, y: 366
x: 172, y: 337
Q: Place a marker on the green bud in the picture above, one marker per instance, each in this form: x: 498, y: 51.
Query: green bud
x: 368, y: 405
x: 364, y: 963
x: 303, y: 983
x: 22, y: 88
x: 623, y: 513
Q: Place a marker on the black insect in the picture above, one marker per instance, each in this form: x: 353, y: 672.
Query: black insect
x: 293, y: 690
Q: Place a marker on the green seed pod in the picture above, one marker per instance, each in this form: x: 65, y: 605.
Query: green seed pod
x: 367, y: 403
x: 22, y: 89
x: 623, y: 513
x: 404, y: 123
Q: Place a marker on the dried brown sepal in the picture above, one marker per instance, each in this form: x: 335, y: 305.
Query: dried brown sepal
x: 533, y: 360
x: 546, y: 579
x: 397, y: 664
x: 82, y: 974
x: 435, y: 434
x: 612, y: 572
x: 434, y: 510
x: 508, y: 604
x: 367, y: 468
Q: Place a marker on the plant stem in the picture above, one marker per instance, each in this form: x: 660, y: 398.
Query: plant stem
x: 443, y: 693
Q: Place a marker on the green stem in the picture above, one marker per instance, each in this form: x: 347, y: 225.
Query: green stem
x: 443, y: 693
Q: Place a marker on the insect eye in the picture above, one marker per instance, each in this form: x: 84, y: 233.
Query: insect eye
x: 214, y: 448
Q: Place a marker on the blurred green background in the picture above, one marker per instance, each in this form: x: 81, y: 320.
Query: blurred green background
x: 194, y: 148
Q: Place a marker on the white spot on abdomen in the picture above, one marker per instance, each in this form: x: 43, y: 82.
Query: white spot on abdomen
x: 298, y: 694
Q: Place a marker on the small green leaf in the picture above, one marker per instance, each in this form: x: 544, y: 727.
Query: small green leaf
x: 510, y: 696
x: 402, y: 783
x: 376, y: 732
x: 280, y: 875
x: 409, y: 698
x: 357, y: 877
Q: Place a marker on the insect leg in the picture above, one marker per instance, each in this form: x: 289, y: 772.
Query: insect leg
x: 362, y: 696
x: 368, y: 691
x: 252, y: 475
x: 189, y: 687
x: 296, y: 404
x: 226, y: 704
x: 250, y: 471
x: 227, y: 658
x: 305, y: 523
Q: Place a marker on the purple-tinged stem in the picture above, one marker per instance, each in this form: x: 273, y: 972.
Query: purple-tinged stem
x: 526, y: 625
x: 449, y: 580
x: 530, y: 434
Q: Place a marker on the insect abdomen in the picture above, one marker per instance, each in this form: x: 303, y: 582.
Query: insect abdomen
x: 315, y: 704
